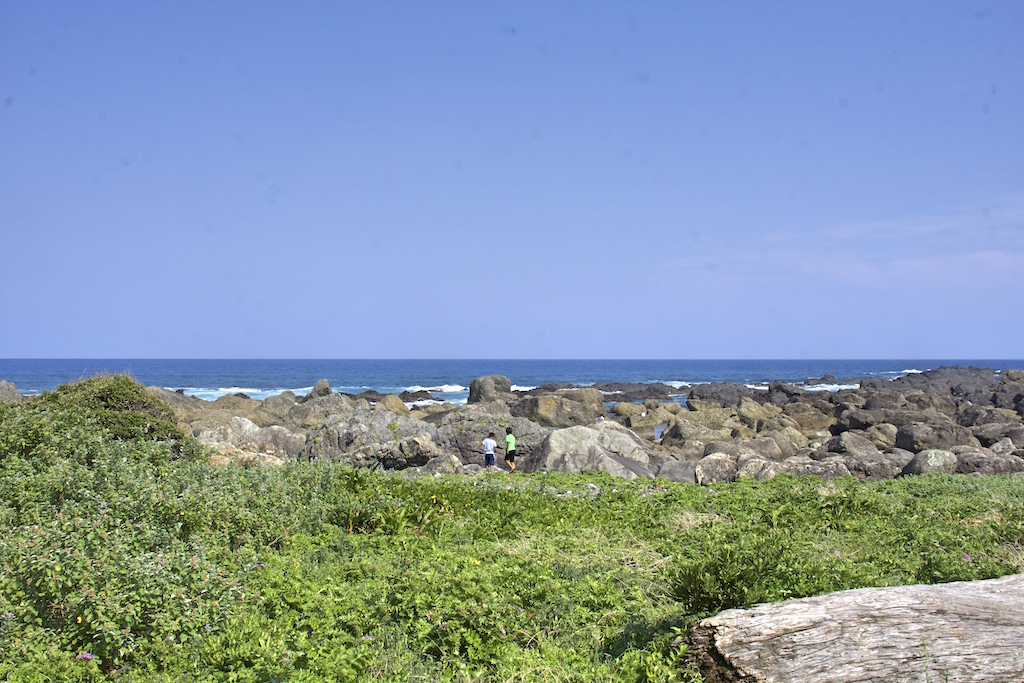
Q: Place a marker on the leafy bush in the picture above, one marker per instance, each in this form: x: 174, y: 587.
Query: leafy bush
x: 121, y: 405
x: 118, y: 562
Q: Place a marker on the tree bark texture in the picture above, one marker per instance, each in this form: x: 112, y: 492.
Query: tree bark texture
x: 968, y: 631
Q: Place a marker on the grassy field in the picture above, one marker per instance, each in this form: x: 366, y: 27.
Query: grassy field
x: 126, y: 557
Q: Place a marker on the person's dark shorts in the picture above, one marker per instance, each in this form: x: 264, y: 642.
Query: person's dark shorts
x: 510, y: 456
x: 488, y: 459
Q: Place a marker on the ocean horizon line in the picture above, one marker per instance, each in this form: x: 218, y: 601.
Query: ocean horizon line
x: 517, y: 360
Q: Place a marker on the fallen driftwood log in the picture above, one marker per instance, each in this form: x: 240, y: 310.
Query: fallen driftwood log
x: 964, y: 631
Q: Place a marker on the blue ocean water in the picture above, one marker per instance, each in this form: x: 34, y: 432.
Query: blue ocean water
x: 448, y: 379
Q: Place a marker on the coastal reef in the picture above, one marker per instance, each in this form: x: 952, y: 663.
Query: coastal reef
x: 962, y: 420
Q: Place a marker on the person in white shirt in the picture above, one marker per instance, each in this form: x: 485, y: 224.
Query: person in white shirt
x: 489, y: 445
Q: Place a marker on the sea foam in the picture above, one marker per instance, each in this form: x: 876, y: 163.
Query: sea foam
x: 830, y: 387
x: 440, y: 389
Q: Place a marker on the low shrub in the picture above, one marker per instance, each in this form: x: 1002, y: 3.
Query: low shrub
x: 118, y: 562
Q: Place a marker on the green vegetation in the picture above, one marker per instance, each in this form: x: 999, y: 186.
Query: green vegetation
x: 126, y: 557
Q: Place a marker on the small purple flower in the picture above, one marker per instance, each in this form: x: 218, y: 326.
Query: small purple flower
x: 170, y: 639
x: 366, y: 639
x: 208, y: 627
x: 502, y: 629
x: 967, y: 558
x: 84, y: 655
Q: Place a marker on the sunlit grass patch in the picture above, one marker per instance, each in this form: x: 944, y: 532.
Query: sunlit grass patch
x: 171, y: 570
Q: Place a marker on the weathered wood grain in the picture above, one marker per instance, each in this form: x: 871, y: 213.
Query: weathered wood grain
x: 969, y: 631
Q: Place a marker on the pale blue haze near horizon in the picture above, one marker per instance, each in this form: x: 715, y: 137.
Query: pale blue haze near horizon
x: 512, y: 180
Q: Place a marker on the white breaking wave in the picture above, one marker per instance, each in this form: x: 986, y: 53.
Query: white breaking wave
x: 517, y: 387
x: 759, y: 387
x: 830, y: 387
x: 208, y: 394
x: 440, y: 389
x: 241, y: 390
x: 420, y: 404
x: 913, y: 372
x: 675, y: 384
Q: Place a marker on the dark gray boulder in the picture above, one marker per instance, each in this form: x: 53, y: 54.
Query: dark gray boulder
x: 753, y: 467
x: 826, y: 469
x: 888, y: 400
x: 715, y: 467
x: 766, y: 447
x: 554, y: 411
x: 683, y: 430
x: 810, y: 417
x: 962, y: 384
x: 412, y: 396
x: 883, y: 435
x: 881, y: 466
x: 970, y: 460
x: 859, y: 418
x: 788, y: 441
x: 274, y: 410
x: 736, y: 449
x: 321, y: 388
x: 781, y: 393
x: 461, y: 430
x: 851, y: 444
x: 374, y: 438
x: 586, y: 395
x: 929, y: 400
x: 1003, y: 446
x: 681, y: 471
x: 1008, y: 395
x: 919, y: 436
x: 930, y: 461
x: 991, y: 433
x: 311, y: 413
x: 909, y: 415
x: 442, y: 464
x: 724, y: 394
x: 625, y: 391
x: 972, y: 415
x: 490, y: 388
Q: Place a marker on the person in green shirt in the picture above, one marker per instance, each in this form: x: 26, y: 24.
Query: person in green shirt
x: 510, y: 449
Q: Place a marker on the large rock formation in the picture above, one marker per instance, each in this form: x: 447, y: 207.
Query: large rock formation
x: 491, y: 388
x: 919, y: 436
x: 970, y: 416
x: 242, y: 441
x: 554, y: 411
x: 9, y: 393
x: 602, y: 447
x: 373, y: 437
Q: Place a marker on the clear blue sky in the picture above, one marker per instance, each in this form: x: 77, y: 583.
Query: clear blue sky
x: 512, y: 180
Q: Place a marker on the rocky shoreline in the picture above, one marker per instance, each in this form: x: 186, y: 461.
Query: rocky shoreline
x: 963, y: 420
